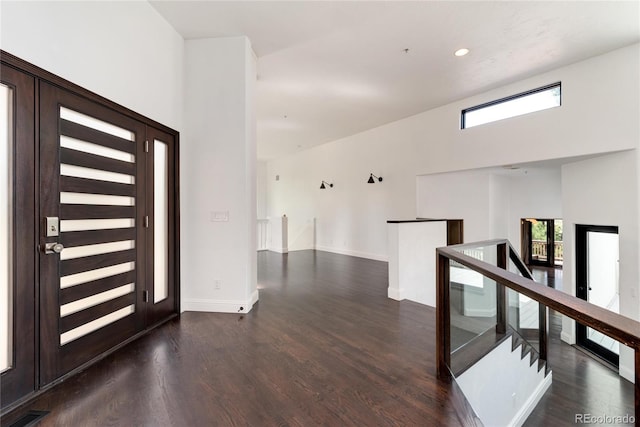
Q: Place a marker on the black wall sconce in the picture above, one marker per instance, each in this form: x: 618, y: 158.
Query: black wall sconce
x: 371, y: 180
x: 322, y: 187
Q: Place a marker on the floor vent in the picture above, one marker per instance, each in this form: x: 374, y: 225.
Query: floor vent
x: 29, y: 419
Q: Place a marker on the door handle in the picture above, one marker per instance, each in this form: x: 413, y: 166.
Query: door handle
x: 53, y: 248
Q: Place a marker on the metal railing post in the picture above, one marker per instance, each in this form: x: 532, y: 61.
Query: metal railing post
x: 543, y: 328
x: 443, y: 318
x: 501, y: 292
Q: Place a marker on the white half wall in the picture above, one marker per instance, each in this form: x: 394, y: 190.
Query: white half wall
x: 218, y: 167
x: 123, y: 51
x: 412, y: 260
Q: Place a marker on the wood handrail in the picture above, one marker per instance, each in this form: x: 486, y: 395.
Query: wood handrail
x: 614, y: 325
x: 619, y: 327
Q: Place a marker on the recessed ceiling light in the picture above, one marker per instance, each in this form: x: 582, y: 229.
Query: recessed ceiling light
x: 461, y: 52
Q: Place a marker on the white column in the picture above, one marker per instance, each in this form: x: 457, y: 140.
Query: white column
x: 218, y: 177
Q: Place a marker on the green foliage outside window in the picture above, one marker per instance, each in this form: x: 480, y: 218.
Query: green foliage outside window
x: 539, y: 230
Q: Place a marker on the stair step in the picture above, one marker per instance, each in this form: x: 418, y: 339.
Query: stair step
x: 526, y: 349
x: 516, y: 341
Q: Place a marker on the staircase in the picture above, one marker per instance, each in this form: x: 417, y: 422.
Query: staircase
x: 505, y: 385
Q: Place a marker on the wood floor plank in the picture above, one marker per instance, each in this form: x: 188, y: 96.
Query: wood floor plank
x: 323, y: 346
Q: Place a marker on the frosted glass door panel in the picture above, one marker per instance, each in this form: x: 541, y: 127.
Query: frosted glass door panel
x: 603, y: 280
x: 97, y: 124
x: 6, y: 226
x: 160, y: 221
x: 107, y: 206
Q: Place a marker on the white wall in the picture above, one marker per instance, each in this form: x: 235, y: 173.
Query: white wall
x: 124, y: 51
x: 218, y: 169
x: 604, y: 191
x: 460, y: 195
x: 261, y: 189
x: 350, y: 217
x: 594, y: 118
x: 536, y: 194
x: 491, y: 201
x: 504, y: 376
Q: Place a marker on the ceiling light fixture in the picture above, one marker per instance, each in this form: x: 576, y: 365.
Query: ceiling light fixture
x: 461, y: 52
x: 371, y: 181
x: 322, y: 187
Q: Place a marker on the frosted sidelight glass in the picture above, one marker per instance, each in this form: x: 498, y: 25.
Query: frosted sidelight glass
x: 6, y: 227
x: 160, y: 221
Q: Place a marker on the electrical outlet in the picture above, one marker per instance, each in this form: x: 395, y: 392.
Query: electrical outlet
x: 216, y: 284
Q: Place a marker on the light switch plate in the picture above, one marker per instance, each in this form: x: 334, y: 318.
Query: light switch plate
x: 219, y: 216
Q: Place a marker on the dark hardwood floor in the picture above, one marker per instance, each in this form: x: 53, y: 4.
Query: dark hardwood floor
x: 324, y: 346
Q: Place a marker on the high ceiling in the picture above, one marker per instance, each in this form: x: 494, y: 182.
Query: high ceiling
x: 330, y: 69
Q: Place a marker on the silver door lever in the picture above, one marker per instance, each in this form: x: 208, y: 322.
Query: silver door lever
x: 53, y: 248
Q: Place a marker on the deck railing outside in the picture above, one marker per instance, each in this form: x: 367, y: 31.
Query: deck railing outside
x: 539, y: 250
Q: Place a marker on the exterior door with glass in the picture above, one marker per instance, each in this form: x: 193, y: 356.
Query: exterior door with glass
x: 108, y: 231
x: 597, y: 260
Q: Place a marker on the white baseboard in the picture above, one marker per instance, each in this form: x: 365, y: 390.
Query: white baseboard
x: 567, y: 337
x: 396, y: 294
x: 301, y: 248
x: 279, y: 250
x: 220, y: 306
x: 349, y: 252
x: 532, y: 401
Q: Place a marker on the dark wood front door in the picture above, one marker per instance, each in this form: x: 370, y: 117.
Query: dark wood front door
x: 92, y: 190
x: 89, y: 230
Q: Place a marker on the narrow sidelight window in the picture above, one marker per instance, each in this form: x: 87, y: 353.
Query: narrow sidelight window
x: 6, y: 227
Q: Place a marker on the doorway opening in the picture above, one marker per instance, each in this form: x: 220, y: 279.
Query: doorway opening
x: 597, y: 281
x: 542, y: 241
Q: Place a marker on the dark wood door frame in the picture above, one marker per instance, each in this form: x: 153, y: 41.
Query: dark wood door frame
x: 157, y: 312
x: 19, y: 380
x: 583, y: 286
x: 27, y: 324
